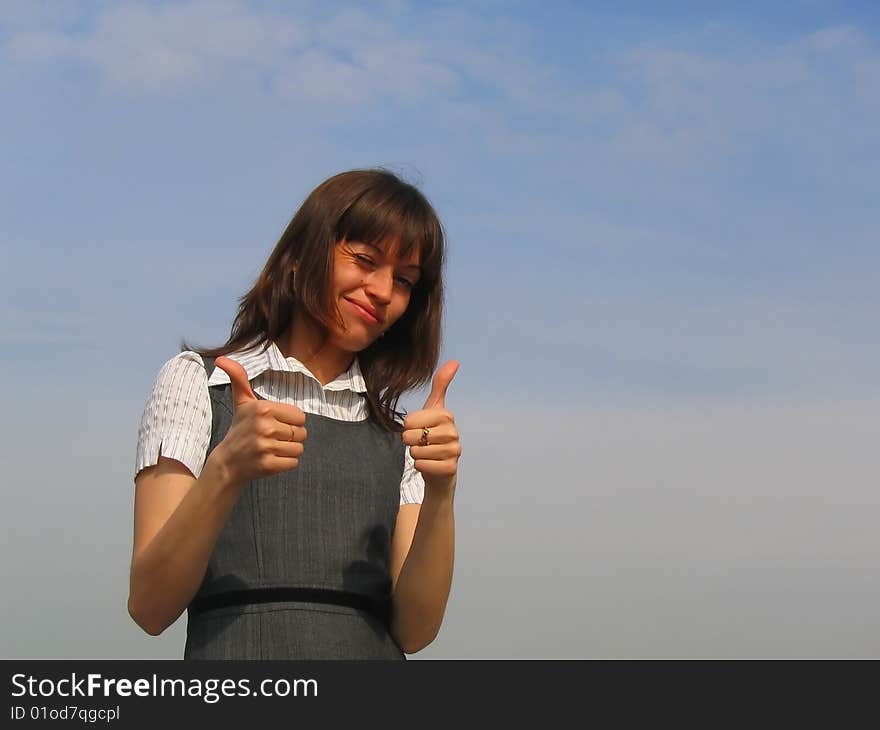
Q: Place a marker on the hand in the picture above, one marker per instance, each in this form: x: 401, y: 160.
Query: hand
x: 265, y: 438
x: 438, y: 461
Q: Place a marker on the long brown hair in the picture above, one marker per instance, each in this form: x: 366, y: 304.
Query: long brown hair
x: 369, y: 206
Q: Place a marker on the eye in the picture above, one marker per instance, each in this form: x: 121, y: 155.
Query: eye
x: 404, y: 282
x: 364, y: 259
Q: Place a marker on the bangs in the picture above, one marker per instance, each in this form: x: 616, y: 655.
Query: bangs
x: 395, y: 213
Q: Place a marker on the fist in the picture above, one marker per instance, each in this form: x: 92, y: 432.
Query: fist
x: 265, y: 438
x: 432, y: 436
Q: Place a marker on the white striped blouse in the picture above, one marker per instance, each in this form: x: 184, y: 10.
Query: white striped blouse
x: 177, y: 418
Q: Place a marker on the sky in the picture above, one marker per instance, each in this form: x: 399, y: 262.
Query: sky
x: 661, y: 286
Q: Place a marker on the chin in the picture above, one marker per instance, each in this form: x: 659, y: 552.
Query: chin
x: 354, y: 345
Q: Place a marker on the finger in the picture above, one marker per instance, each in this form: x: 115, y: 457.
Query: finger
x: 442, y: 434
x: 299, y: 433
x: 442, y: 378
x: 272, y: 464
x: 286, y: 413
x: 283, y: 431
x: 287, y: 449
x: 427, y: 418
x: 445, y: 468
x: 440, y: 452
x: 280, y: 412
x: 241, y: 387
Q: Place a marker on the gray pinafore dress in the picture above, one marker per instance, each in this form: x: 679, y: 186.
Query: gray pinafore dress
x: 323, y: 530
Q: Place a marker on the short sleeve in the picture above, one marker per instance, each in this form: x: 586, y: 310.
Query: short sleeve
x: 412, y: 485
x: 176, y: 422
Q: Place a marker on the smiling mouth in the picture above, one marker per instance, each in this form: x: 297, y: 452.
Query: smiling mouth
x: 364, y: 313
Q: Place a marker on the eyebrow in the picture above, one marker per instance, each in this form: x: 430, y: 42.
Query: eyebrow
x: 402, y: 266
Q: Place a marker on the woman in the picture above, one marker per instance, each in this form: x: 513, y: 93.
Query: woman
x: 280, y: 497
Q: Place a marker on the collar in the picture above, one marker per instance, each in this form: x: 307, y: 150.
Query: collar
x: 256, y: 361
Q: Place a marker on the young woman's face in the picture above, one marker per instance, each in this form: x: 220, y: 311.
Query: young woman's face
x: 371, y: 287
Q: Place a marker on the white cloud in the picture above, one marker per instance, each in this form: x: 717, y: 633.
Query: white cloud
x: 371, y: 73
x: 168, y: 46
x: 835, y: 39
x: 317, y: 76
x: 405, y: 67
x: 144, y: 48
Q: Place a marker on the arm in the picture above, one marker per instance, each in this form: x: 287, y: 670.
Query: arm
x: 177, y: 519
x: 423, y: 547
x: 423, y: 550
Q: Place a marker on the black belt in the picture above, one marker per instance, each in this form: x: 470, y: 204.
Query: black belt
x: 379, y: 608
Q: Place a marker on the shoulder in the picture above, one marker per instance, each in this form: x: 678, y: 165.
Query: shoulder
x: 176, y: 421
x: 181, y: 377
x: 183, y: 362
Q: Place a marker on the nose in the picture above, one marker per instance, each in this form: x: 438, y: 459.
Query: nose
x: 379, y: 285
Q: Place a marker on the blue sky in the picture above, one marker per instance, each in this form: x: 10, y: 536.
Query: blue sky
x: 600, y: 169
x: 646, y: 203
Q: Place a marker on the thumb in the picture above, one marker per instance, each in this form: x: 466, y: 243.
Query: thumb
x: 241, y: 387
x: 442, y: 378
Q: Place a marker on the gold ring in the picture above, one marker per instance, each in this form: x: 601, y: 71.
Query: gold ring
x: 423, y: 441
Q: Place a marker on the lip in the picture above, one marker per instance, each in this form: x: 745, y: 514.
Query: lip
x: 365, y: 310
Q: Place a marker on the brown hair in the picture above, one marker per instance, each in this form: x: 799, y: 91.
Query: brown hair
x: 369, y: 206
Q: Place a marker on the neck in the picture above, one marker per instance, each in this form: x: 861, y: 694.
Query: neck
x: 305, y: 341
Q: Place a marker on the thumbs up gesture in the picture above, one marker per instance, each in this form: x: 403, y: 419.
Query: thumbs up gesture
x: 265, y: 437
x: 431, y: 434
